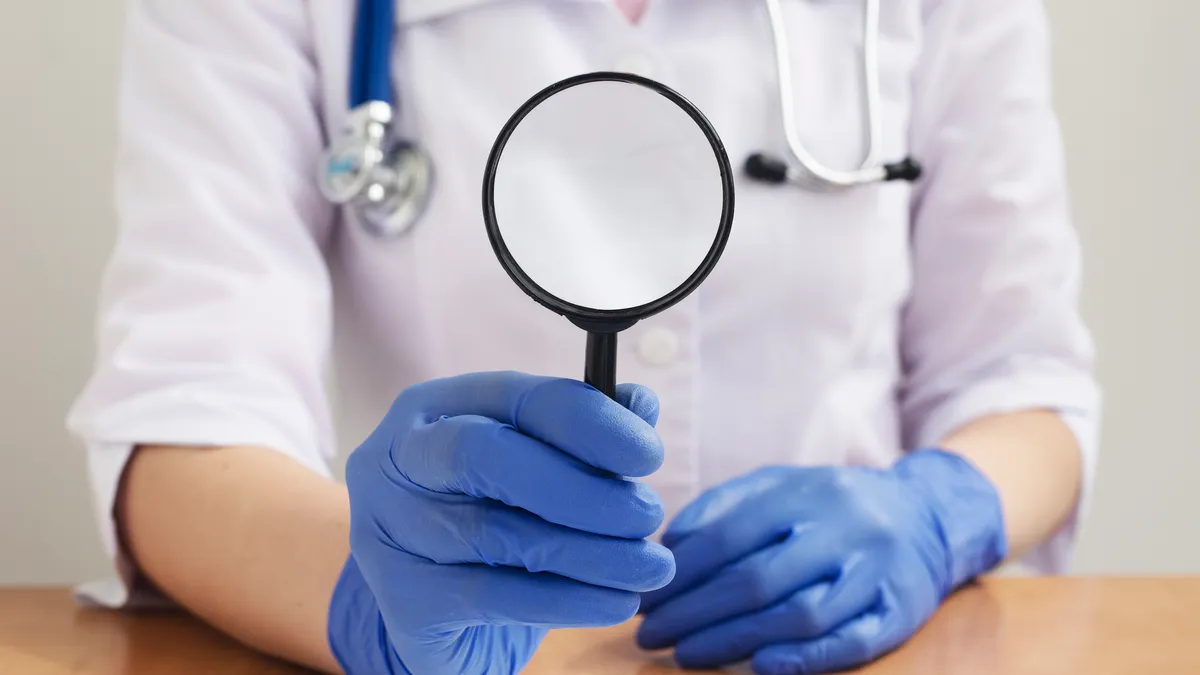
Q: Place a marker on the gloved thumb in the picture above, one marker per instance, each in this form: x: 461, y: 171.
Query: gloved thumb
x: 641, y: 401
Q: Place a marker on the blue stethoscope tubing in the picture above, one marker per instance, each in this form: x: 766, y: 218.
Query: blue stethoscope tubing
x: 370, y: 72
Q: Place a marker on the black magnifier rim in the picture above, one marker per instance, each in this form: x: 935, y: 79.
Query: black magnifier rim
x: 615, y: 318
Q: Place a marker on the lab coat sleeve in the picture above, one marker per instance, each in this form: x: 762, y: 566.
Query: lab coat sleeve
x: 993, y: 324
x: 214, y: 316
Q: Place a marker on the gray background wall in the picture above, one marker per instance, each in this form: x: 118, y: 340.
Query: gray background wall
x: 1127, y: 90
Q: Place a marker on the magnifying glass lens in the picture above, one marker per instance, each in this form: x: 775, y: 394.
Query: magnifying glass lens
x: 608, y: 198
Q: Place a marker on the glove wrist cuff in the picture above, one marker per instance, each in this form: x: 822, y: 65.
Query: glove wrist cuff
x: 966, y: 509
x: 355, y: 630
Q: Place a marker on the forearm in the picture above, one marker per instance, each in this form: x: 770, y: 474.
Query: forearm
x: 245, y: 538
x: 1034, y: 461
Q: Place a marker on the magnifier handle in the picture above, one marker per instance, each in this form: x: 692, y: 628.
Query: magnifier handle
x: 601, y: 368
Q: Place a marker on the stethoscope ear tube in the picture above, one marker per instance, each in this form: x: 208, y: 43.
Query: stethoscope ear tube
x: 771, y: 170
x: 803, y: 168
x: 907, y: 169
x: 766, y: 169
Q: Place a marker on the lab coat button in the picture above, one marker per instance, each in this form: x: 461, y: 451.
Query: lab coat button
x: 636, y: 64
x: 658, y: 347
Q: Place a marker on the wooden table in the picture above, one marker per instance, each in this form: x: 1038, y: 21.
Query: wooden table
x: 1001, y: 627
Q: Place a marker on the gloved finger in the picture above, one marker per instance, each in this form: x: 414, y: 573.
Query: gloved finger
x: 808, y: 613
x: 749, y: 585
x: 461, y: 596
x: 566, y: 414
x: 744, y: 528
x: 639, y: 400
x: 480, y: 457
x: 718, y: 502
x: 857, y: 642
x: 486, y: 531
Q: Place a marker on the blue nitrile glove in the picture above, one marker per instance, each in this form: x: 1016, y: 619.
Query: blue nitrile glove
x: 488, y: 508
x: 812, y: 570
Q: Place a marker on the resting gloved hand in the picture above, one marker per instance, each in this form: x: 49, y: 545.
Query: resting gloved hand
x: 488, y: 508
x: 812, y: 570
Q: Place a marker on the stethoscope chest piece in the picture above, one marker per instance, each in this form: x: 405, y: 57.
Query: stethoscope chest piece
x: 385, y: 181
x: 399, y: 192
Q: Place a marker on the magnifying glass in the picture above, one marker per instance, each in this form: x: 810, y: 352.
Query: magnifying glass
x: 608, y: 198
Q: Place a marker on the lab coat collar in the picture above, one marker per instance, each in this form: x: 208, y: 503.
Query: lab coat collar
x: 416, y: 11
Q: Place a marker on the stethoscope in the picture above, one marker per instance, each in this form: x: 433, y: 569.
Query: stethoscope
x: 805, y: 170
x: 387, y: 180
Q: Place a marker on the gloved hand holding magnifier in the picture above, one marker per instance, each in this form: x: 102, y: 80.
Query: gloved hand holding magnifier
x: 608, y: 198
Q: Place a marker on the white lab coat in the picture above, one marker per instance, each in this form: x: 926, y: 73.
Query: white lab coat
x: 837, y: 328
